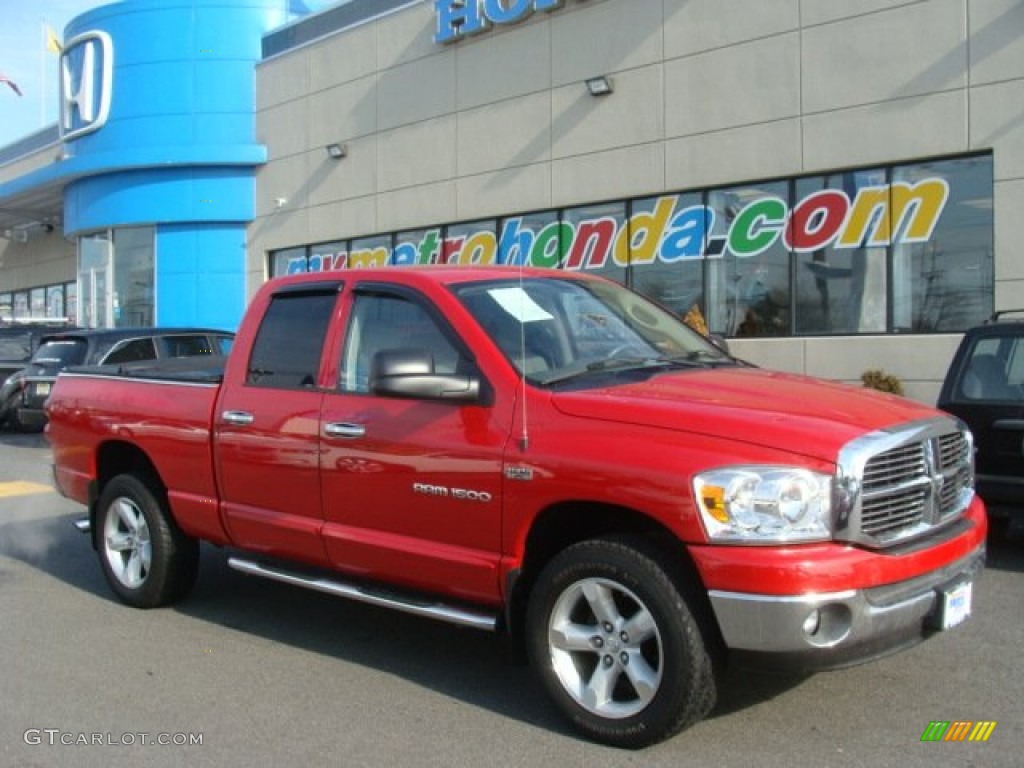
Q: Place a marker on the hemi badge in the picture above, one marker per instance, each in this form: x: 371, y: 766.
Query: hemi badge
x: 519, y: 473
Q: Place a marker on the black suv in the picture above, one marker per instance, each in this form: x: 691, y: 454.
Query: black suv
x: 23, y: 394
x: 18, y: 342
x: 985, y: 387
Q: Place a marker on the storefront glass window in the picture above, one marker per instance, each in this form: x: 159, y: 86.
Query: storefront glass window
x: 37, y: 302
x: 472, y: 243
x: 749, y: 282
x: 21, y: 304
x: 840, y: 285
x: 416, y: 246
x: 592, y: 235
x: 95, y: 310
x: 878, y: 250
x: 667, y: 236
x: 324, y: 257
x: 6, y: 306
x: 55, y: 301
x: 369, y: 252
x: 942, y: 262
x: 132, y: 299
x: 71, y: 301
x: 534, y: 239
x: 288, y: 262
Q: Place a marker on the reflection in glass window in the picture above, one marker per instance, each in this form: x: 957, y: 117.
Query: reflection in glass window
x: 37, y: 302
x: 369, y: 252
x: 672, y: 274
x: 327, y: 256
x: 133, y: 276
x: 472, y: 243
x: 286, y: 351
x: 6, y: 305
x: 416, y: 246
x: 532, y: 240
x: 55, y: 301
x: 749, y: 283
x: 71, y: 300
x: 593, y: 231
x: 945, y: 281
x: 840, y: 287
x: 381, y: 323
x: 288, y: 261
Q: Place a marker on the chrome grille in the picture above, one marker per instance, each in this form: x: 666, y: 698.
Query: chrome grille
x: 901, y: 484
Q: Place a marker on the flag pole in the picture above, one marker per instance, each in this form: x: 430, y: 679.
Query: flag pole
x: 42, y: 75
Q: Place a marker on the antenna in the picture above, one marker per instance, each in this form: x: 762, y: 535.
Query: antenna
x: 524, y: 438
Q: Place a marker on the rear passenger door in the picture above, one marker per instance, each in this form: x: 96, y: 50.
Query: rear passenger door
x: 267, y: 430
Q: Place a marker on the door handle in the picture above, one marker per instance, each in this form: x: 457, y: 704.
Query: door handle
x: 238, y: 418
x: 344, y: 429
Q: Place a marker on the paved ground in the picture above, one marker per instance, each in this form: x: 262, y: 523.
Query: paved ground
x: 267, y: 674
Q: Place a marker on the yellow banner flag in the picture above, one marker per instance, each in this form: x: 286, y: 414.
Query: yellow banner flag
x: 52, y: 41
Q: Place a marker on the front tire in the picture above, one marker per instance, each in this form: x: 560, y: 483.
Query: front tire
x: 616, y: 644
x: 146, y: 559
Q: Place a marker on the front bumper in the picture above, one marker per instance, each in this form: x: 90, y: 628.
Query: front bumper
x: 852, y: 626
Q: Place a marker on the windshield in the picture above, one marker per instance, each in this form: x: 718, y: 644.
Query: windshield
x: 556, y: 329
x: 61, y: 353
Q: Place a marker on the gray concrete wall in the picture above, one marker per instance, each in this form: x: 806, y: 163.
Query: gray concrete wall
x: 706, y: 92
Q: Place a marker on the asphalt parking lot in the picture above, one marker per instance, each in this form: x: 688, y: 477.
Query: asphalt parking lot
x: 265, y: 674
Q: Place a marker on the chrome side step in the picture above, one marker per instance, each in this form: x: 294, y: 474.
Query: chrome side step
x: 451, y: 614
x: 83, y: 524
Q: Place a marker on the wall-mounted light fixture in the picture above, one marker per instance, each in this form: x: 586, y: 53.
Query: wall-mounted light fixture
x: 599, y: 86
x: 336, y: 151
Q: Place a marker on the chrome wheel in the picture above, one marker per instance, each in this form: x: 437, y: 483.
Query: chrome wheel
x: 126, y: 543
x: 605, y: 648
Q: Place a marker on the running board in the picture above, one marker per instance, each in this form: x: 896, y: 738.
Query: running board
x: 83, y: 524
x: 451, y: 614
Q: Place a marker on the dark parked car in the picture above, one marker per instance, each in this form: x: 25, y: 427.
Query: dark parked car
x: 18, y: 342
x: 23, y: 394
x: 985, y: 387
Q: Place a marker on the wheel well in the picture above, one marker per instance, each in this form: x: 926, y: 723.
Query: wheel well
x: 118, y: 458
x: 566, y: 524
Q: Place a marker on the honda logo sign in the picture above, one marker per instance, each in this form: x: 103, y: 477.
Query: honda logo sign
x: 86, y: 80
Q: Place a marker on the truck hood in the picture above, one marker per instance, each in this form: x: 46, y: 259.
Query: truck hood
x: 808, y: 416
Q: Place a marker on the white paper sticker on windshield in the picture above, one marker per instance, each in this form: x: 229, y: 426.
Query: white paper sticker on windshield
x: 518, y: 303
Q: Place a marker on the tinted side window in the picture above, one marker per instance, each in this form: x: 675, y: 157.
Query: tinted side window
x: 186, y: 345
x: 390, y: 323
x: 286, y: 352
x: 131, y: 351
x: 223, y: 344
x: 993, y: 371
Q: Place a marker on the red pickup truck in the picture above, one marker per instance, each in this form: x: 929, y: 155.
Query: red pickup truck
x: 543, y: 453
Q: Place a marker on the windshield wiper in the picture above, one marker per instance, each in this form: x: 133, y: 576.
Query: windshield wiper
x: 616, y: 364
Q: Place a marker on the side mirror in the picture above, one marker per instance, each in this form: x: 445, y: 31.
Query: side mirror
x: 410, y: 373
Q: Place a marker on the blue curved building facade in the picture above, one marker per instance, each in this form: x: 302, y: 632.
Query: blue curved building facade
x: 157, y: 157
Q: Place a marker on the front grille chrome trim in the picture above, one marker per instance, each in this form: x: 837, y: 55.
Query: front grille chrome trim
x: 895, y: 485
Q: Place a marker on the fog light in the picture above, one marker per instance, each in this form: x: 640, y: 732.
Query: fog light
x: 812, y: 623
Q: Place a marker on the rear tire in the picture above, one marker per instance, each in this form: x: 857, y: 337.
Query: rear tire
x: 145, y: 557
x: 616, y: 644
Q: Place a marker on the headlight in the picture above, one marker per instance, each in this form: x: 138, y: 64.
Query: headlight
x: 764, y: 504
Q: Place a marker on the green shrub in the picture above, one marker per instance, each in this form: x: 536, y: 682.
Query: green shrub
x: 882, y: 381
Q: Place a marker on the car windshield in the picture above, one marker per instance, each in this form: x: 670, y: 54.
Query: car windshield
x: 61, y: 352
x: 555, y: 330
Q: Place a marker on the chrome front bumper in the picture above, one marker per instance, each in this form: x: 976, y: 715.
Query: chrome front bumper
x: 817, y: 631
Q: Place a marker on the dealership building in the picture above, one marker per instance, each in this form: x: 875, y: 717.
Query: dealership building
x: 833, y: 185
